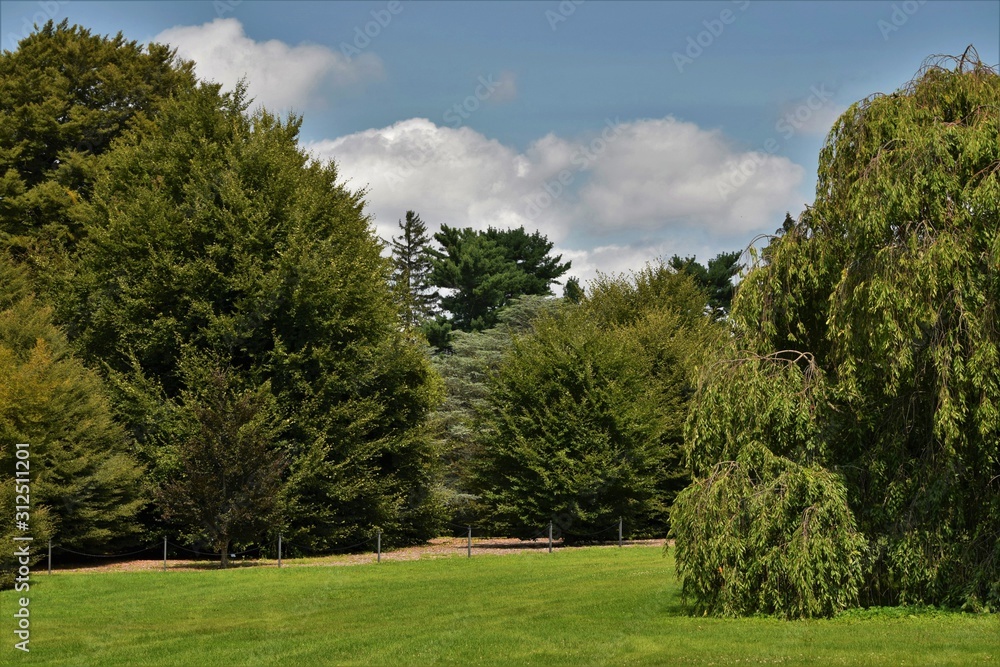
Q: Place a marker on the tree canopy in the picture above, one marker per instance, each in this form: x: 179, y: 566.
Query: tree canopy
x: 879, y: 307
x: 213, y: 232
x: 583, y: 421
x: 65, y: 95
x: 487, y: 269
x: 465, y: 369
x: 86, y: 488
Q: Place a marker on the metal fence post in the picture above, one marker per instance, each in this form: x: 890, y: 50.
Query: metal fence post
x: 50, y: 555
x: 378, y: 545
x: 550, y: 537
x: 279, y: 549
x: 619, y: 531
x: 469, y: 549
x: 164, y: 553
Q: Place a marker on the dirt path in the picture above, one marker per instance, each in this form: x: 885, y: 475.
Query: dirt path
x: 442, y: 547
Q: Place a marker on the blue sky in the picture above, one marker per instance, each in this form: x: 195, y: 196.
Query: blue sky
x: 624, y: 131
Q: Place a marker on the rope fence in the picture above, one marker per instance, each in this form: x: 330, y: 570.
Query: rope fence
x: 547, y: 531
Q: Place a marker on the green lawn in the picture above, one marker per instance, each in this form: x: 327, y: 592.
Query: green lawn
x: 573, y: 607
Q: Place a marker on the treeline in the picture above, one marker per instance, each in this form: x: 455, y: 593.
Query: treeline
x: 200, y: 335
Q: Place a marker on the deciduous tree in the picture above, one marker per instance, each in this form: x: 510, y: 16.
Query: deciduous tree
x: 228, y: 471
x: 65, y: 95
x: 212, y: 231
x: 583, y: 421
x: 887, y: 290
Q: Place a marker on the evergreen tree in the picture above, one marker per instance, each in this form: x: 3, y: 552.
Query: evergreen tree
x: 465, y: 370
x: 487, y: 269
x: 411, y: 271
x: 716, y: 278
x: 572, y: 291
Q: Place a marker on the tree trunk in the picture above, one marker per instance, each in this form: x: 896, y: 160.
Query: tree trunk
x: 224, y: 551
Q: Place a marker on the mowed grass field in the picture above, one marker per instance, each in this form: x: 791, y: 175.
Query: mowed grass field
x: 586, y: 606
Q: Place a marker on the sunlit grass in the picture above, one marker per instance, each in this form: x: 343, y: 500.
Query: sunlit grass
x: 573, y: 607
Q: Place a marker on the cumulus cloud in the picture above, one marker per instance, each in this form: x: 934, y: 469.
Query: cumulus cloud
x: 281, y: 77
x: 622, y: 258
x: 453, y: 176
x: 666, y: 172
x: 611, y: 200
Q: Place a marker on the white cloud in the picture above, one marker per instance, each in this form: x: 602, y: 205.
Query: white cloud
x: 279, y: 76
x: 821, y: 122
x: 450, y: 176
x: 660, y: 172
x: 610, y: 201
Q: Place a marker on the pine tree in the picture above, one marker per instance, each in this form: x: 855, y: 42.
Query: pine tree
x: 411, y: 271
x: 716, y: 279
x: 488, y: 269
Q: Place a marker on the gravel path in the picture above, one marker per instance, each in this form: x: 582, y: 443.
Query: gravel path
x: 442, y: 547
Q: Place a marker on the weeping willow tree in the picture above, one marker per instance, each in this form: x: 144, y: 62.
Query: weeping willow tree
x: 866, y: 344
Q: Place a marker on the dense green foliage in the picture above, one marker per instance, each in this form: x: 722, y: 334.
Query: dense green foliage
x: 746, y: 545
x: 65, y: 95
x: 189, y: 303
x: 716, y: 278
x: 487, y: 269
x: 590, y: 606
x: 884, y: 297
x: 583, y: 422
x: 465, y: 370
x: 213, y: 232
x: 165, y: 222
x: 85, y: 489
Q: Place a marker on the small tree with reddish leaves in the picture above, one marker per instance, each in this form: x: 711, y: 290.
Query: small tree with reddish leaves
x: 229, y: 470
